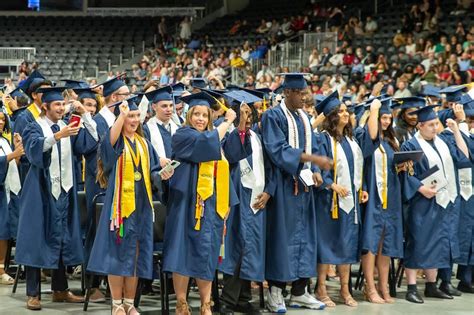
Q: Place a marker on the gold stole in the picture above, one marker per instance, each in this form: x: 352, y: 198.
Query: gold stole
x: 34, y: 110
x: 125, y: 179
x: 335, y: 207
x: 205, y: 188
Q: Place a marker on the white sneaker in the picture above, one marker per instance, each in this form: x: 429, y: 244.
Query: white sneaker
x: 275, y: 301
x: 307, y: 301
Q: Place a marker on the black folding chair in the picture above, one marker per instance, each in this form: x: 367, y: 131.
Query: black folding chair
x: 97, y: 206
x: 82, y: 205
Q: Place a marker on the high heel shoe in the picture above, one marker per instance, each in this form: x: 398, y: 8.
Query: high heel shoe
x: 206, y: 307
x: 182, y: 307
x: 372, y: 296
x: 348, y: 300
x: 385, y: 294
x: 325, y: 298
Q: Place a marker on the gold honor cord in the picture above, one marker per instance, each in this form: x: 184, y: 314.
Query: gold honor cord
x: 384, y: 178
x: 334, y: 212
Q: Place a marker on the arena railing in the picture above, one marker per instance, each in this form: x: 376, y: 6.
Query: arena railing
x: 13, y: 56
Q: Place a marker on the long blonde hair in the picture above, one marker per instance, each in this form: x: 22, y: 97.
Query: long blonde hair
x: 189, y: 114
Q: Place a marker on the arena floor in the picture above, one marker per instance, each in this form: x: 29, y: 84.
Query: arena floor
x: 464, y: 305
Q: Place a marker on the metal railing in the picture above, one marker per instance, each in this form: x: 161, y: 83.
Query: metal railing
x: 13, y: 56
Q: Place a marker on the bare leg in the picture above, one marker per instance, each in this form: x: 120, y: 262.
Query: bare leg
x: 3, y: 253
x: 411, y: 276
x: 130, y: 287
x: 431, y: 275
x: 321, y: 291
x: 345, y: 273
x: 180, y: 284
x: 383, y: 265
x: 205, y: 288
x: 116, y: 284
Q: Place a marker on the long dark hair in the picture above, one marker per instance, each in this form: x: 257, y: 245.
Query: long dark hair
x: 331, y: 122
x: 389, y: 135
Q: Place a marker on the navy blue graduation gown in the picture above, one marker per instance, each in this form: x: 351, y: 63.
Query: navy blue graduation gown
x: 291, y: 219
x: 245, y: 240
x: 465, y: 225
x: 187, y: 251
x: 5, y: 232
x: 46, y: 227
x: 338, y: 240
x: 165, y: 135
x: 376, y: 221
x: 23, y: 119
x: 120, y: 258
x: 428, y: 226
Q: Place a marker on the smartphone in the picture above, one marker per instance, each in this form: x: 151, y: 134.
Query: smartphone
x: 172, y: 165
x: 76, y: 119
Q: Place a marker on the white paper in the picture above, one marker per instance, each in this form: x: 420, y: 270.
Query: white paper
x: 306, y: 177
x: 437, y: 179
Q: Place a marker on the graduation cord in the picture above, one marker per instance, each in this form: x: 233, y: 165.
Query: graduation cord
x: 384, y: 178
x: 334, y: 212
x: 293, y: 125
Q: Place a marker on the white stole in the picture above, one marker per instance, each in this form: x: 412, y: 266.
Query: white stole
x: 253, y: 177
x: 293, y: 136
x: 108, y: 116
x: 344, y: 177
x: 60, y: 174
x: 155, y: 135
x: 464, y: 177
x: 445, y: 163
x: 379, y: 157
x: 12, y: 179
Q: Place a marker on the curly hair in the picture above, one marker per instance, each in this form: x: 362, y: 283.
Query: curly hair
x: 331, y: 122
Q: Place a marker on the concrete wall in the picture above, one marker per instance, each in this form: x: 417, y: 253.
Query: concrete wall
x: 235, y: 5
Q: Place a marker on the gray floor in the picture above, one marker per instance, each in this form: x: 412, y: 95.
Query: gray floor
x: 464, y: 305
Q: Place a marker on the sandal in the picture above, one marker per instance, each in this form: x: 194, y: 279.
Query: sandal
x: 326, y: 300
x: 182, y: 307
x: 206, y: 307
x: 130, y: 309
x: 372, y: 296
x: 386, y: 296
x: 5, y: 279
x: 118, y: 309
x: 349, y: 300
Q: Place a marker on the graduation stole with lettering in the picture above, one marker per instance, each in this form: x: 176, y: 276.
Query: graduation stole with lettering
x: 381, y: 174
x: 342, y: 177
x: 34, y: 110
x: 205, y: 188
x: 124, y: 193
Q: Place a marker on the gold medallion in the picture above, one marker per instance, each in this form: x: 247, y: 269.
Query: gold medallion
x: 137, y: 176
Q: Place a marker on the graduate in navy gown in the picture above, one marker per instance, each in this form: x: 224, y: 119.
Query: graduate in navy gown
x: 123, y: 246
x: 338, y: 210
x: 462, y: 223
x: 245, y: 240
x: 49, y: 233
x: 10, y: 186
x: 382, y: 222
x: 291, y: 216
x: 431, y: 203
x: 160, y: 128
x: 201, y: 193
x: 406, y: 123
x: 30, y: 86
x: 113, y: 90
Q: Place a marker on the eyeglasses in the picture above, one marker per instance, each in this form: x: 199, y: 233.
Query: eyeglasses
x: 124, y: 94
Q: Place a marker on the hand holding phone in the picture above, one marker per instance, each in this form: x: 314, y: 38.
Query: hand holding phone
x: 76, y: 119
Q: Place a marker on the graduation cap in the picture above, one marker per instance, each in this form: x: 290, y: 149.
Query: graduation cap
x: 215, y: 93
x: 444, y: 115
x: 278, y: 90
x: 198, y: 83
x: 233, y: 87
x: 386, y: 107
x: 468, y: 104
x: 294, y: 81
x: 85, y: 92
x: 328, y: 104
x: 178, y: 87
x: 200, y: 98
x: 405, y: 156
x: 132, y: 104
x: 346, y: 97
x: 16, y: 93
x: 111, y: 85
x: 162, y: 94
x: 453, y: 93
x: 425, y: 113
x: 430, y: 90
x: 410, y: 102
x: 243, y: 96
x: 359, y: 110
x: 51, y: 94
x: 74, y: 84
x: 32, y: 81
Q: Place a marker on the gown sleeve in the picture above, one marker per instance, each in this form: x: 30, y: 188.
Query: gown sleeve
x: 279, y: 151
x: 367, y: 145
x: 410, y: 184
x: 109, y: 154
x: 146, y: 132
x: 84, y: 143
x: 234, y: 149
x: 33, y: 141
x: 325, y: 149
x: 3, y: 168
x: 460, y: 160
x: 191, y: 145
